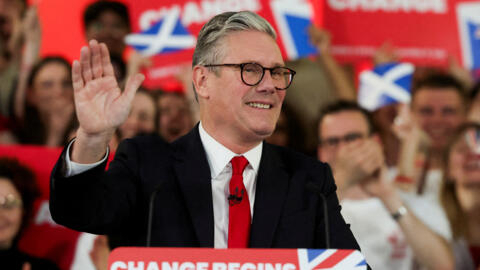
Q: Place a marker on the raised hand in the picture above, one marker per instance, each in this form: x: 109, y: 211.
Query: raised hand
x: 378, y: 186
x: 413, y: 142
x: 320, y: 38
x: 31, y: 32
x: 100, y: 104
x: 357, y: 162
x: 137, y: 62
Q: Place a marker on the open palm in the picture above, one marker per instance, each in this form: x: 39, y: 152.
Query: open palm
x: 100, y: 104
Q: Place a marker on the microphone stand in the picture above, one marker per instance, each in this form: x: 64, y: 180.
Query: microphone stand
x: 315, y: 189
x: 150, y: 213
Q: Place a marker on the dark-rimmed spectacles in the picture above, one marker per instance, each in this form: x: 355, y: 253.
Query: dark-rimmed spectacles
x: 9, y: 202
x: 252, y: 74
x: 333, y: 142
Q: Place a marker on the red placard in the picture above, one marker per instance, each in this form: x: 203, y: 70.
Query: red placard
x: 234, y: 259
x: 194, y: 14
x: 424, y: 32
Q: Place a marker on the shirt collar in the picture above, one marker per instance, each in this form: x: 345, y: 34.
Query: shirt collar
x: 218, y: 156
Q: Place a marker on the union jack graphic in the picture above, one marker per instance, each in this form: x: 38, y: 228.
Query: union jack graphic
x: 335, y: 259
x: 167, y: 35
x: 385, y: 84
x: 468, y: 16
x: 292, y: 18
x: 473, y: 140
x: 474, y: 31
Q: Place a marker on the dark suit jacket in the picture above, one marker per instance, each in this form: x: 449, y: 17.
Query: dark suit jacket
x: 116, y: 202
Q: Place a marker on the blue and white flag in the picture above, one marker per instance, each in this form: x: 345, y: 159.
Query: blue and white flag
x: 474, y: 34
x: 472, y: 138
x: 468, y: 17
x: 385, y: 84
x: 293, y: 18
x: 317, y: 259
x: 167, y: 35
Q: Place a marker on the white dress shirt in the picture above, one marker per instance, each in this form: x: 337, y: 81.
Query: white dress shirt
x: 218, y: 157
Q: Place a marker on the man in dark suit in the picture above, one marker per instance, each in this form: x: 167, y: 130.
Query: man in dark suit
x: 218, y: 186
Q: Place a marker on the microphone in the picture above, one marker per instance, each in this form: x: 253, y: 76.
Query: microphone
x: 150, y: 212
x: 234, y: 198
x: 315, y: 189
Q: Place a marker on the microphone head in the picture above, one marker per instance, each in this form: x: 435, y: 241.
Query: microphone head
x: 234, y: 199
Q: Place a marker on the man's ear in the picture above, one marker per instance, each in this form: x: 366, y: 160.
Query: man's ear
x: 200, y: 81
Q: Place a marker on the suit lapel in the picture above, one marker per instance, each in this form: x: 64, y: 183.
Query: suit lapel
x: 271, y: 190
x: 193, y: 172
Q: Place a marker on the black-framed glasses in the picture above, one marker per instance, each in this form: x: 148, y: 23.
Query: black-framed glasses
x: 9, y: 202
x: 332, y: 142
x: 252, y: 74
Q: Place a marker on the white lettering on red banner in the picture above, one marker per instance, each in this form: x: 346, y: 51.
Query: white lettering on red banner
x: 234, y: 259
x: 407, y: 6
x: 199, y: 13
x: 132, y: 265
x: 410, y: 52
x: 159, y: 72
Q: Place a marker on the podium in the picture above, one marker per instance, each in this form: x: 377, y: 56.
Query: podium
x: 234, y: 259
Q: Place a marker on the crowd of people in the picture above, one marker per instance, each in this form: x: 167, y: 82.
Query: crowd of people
x: 407, y: 175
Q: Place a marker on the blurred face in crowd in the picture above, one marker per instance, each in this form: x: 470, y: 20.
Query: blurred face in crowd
x: 464, y: 162
x: 52, y: 88
x: 439, y: 112
x: 339, y: 129
x: 10, y: 213
x: 10, y: 13
x: 245, y: 114
x: 110, y: 29
x: 174, y: 119
x: 141, y: 118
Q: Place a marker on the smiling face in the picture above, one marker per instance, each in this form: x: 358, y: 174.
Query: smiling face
x: 464, y: 163
x: 10, y: 19
x: 10, y: 217
x: 439, y: 113
x: 52, y: 86
x: 338, y: 126
x: 237, y: 115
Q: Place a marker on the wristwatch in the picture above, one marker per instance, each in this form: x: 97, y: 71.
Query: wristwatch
x: 401, y: 211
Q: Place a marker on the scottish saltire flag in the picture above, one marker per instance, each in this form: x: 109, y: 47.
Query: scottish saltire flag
x: 317, y: 259
x: 167, y: 35
x: 385, y: 84
x: 293, y: 18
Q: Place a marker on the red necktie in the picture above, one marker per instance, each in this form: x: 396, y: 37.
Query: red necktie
x: 239, y: 206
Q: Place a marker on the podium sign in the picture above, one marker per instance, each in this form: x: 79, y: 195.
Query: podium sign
x: 234, y: 259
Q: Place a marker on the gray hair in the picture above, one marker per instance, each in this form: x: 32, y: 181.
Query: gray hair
x: 208, y: 50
